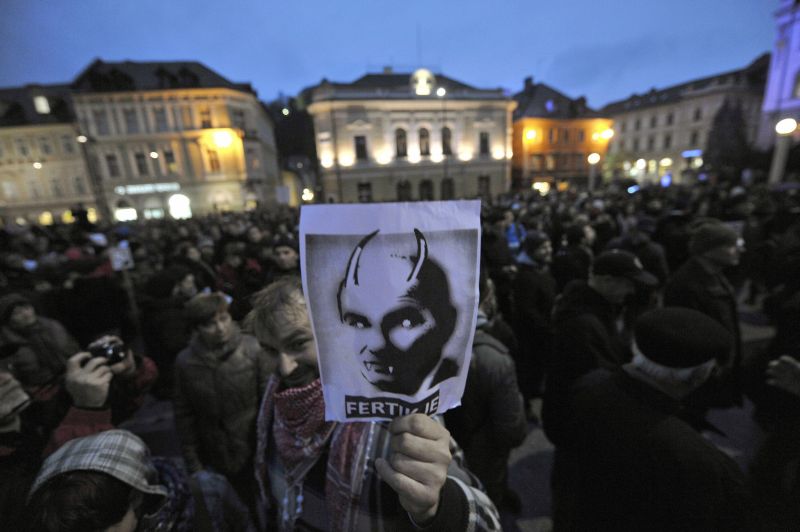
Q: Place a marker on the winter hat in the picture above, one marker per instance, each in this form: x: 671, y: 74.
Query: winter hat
x: 9, y: 302
x: 711, y: 235
x: 118, y: 453
x: 679, y: 337
x: 618, y: 263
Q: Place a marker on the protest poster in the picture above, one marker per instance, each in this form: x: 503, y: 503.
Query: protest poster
x: 392, y: 292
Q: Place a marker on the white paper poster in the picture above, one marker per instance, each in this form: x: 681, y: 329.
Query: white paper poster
x: 392, y: 290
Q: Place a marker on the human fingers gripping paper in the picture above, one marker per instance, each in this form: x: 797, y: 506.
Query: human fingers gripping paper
x: 392, y: 292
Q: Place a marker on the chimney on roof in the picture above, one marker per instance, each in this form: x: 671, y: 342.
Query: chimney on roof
x: 581, y: 104
x: 387, y: 70
x: 528, y: 83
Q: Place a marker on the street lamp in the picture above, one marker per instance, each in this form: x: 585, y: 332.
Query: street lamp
x: 784, y: 128
x: 94, y: 178
x: 441, y: 92
x: 592, y: 159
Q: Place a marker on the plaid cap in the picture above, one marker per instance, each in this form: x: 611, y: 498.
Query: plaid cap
x: 118, y: 453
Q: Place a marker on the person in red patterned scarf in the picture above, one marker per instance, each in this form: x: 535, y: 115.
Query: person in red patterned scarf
x: 320, y: 475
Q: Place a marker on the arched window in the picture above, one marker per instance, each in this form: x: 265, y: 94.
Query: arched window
x: 447, y: 136
x: 426, y: 190
x: 400, y: 143
x: 424, y: 142
x: 403, y: 191
x: 448, y: 188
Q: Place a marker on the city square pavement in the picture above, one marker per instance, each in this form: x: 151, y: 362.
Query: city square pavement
x: 529, y: 464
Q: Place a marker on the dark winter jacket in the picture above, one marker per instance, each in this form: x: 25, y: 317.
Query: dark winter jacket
x: 165, y: 327
x: 585, y: 338
x: 629, y: 463
x: 693, y: 286
x: 217, y: 394
x: 491, y: 419
x: 534, y: 297
x: 37, y: 355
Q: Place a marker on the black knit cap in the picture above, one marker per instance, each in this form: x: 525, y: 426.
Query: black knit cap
x: 679, y: 337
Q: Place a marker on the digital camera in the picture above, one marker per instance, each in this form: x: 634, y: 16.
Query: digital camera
x: 112, y: 350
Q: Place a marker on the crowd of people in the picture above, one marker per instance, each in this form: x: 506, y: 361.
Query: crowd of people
x: 618, y: 312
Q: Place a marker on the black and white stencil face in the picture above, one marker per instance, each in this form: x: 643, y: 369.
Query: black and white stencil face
x: 398, y: 308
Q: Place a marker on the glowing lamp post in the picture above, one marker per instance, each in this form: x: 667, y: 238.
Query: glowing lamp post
x: 785, y: 129
x: 592, y: 159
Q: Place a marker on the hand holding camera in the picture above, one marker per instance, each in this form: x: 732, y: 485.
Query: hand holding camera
x: 88, y: 379
x: 118, y: 356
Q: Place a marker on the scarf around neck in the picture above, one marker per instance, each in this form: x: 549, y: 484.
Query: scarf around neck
x: 301, y: 435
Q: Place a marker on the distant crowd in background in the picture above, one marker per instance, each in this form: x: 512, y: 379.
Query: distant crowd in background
x: 619, y: 311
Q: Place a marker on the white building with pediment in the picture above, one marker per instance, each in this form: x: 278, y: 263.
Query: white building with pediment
x: 419, y: 136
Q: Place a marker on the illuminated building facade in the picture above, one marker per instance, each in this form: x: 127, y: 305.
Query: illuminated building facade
x: 148, y: 139
x: 175, y: 139
x: 661, y: 135
x: 554, y: 135
x: 42, y: 171
x: 420, y: 136
x: 782, y: 94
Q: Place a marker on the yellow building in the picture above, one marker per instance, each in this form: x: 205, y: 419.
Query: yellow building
x: 555, y: 137
x: 135, y: 140
x: 43, y: 174
x: 174, y: 138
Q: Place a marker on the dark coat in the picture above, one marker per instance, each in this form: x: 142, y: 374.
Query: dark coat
x: 629, y: 463
x: 217, y: 394
x: 693, y: 286
x: 37, y: 356
x: 534, y: 296
x: 165, y: 328
x: 491, y: 419
x: 585, y: 338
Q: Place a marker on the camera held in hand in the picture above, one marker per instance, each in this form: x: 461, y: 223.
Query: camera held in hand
x: 114, y: 351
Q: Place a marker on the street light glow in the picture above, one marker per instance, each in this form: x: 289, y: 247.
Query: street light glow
x: 37, y: 165
x: 786, y: 126
x: 441, y: 91
x: 222, y: 139
x: 593, y: 158
x: 308, y: 195
x: 530, y: 134
x: 153, y: 155
x: 607, y: 134
x: 285, y: 111
x: 82, y: 139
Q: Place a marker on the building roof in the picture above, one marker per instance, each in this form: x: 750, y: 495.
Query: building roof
x: 752, y: 77
x: 17, y: 107
x: 126, y: 76
x: 392, y: 85
x: 542, y: 101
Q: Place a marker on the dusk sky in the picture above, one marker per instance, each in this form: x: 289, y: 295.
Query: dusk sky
x: 605, y: 50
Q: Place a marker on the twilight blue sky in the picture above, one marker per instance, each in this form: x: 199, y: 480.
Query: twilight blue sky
x: 604, y: 49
